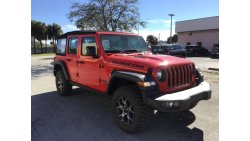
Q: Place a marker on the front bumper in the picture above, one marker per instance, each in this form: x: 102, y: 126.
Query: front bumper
x: 180, y: 101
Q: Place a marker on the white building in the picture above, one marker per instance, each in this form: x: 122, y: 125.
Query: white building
x: 203, y: 30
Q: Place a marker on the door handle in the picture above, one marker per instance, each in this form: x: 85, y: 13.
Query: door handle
x: 68, y: 59
x: 80, y: 62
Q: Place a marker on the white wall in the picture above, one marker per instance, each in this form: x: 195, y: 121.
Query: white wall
x: 197, y: 24
x: 207, y: 37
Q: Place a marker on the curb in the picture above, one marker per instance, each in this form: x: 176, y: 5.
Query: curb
x: 215, y: 69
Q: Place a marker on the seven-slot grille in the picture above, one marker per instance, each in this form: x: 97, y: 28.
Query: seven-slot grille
x: 179, y: 75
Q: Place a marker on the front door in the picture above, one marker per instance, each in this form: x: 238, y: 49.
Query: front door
x: 88, y: 66
x: 71, y: 58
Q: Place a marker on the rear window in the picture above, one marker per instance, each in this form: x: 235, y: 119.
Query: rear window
x: 161, y: 49
x: 61, y: 45
x: 73, y: 44
x: 176, y: 47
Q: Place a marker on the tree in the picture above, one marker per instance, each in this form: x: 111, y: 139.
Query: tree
x: 174, y: 39
x: 34, y: 42
x: 106, y: 15
x: 38, y: 31
x: 53, y: 31
x: 34, y: 33
x: 152, y: 40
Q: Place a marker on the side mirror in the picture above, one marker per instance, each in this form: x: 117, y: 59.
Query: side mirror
x: 91, y: 51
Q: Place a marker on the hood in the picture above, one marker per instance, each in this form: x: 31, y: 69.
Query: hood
x: 146, y: 60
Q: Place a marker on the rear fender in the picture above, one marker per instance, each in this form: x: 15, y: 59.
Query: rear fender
x: 61, y: 65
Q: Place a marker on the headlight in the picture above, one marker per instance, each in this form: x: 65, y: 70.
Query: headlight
x: 160, y: 75
x: 199, y: 70
x: 199, y: 76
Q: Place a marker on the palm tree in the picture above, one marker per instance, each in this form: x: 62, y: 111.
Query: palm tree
x: 54, y: 30
x: 38, y: 31
x: 33, y: 34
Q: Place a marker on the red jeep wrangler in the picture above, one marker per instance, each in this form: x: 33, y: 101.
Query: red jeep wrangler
x: 122, y: 65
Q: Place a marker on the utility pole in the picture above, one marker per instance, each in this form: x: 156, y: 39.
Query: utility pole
x: 171, y: 15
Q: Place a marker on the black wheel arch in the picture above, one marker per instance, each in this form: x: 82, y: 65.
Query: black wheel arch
x: 119, y: 78
x: 61, y: 65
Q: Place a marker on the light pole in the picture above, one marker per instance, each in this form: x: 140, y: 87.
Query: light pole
x: 171, y: 15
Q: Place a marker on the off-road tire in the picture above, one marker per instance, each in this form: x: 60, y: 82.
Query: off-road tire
x: 142, y: 113
x: 62, y: 85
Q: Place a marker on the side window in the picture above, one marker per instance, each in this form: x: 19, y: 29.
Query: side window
x: 72, y: 47
x: 61, y: 45
x: 87, y: 41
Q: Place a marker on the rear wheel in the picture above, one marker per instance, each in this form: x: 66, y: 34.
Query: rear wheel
x: 62, y: 85
x: 129, y: 111
x: 196, y: 54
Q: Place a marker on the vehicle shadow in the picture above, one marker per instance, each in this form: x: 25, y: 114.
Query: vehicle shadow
x: 48, y: 58
x: 42, y: 70
x: 85, y: 115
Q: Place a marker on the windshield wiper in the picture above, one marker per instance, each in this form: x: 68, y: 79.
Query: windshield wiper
x: 131, y: 50
x: 113, y: 51
x: 123, y: 51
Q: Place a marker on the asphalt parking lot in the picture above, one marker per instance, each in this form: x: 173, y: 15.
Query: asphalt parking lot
x: 85, y: 115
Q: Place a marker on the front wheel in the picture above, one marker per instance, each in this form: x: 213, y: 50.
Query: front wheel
x: 129, y: 111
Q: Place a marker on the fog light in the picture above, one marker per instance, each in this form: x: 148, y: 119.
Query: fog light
x: 170, y: 104
x: 176, y: 104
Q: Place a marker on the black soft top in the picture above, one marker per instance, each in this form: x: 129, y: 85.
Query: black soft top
x: 76, y: 32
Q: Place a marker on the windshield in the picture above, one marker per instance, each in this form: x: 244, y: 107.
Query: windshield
x: 175, y: 47
x: 123, y: 43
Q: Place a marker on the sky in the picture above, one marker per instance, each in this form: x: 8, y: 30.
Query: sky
x: 154, y: 12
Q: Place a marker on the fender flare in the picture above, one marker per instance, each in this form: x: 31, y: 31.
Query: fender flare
x: 130, y: 76
x: 62, y: 65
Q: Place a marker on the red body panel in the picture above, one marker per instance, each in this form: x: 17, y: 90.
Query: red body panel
x: 95, y: 73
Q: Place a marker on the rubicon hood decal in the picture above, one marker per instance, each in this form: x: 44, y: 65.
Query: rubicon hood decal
x: 127, y: 64
x: 145, y: 61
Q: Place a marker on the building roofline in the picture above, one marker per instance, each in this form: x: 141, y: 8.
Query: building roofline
x: 197, y: 19
x: 208, y: 29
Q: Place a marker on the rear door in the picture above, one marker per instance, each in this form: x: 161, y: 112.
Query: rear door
x: 71, y: 57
